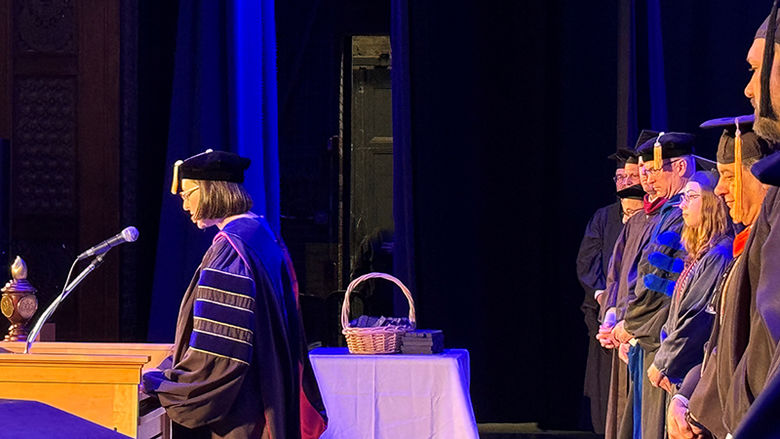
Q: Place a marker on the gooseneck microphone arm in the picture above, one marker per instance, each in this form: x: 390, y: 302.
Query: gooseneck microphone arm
x: 129, y: 234
x: 53, y: 307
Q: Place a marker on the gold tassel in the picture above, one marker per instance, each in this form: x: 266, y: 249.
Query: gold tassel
x: 658, y: 159
x: 175, y: 183
x: 737, y: 173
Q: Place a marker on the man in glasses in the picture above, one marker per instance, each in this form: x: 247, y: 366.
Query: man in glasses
x: 620, y: 281
x: 592, y: 262
x: 668, y: 162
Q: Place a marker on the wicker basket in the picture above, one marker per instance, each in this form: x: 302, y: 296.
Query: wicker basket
x: 379, y: 340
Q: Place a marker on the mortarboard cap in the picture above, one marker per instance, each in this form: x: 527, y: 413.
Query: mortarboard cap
x: 210, y: 165
x: 622, y: 156
x: 634, y: 192
x: 644, y: 136
x: 632, y: 159
x: 704, y: 164
x: 752, y: 145
x: 737, y: 143
x: 619, y: 160
x: 706, y: 179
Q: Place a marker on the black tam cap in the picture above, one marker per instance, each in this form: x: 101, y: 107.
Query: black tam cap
x: 753, y: 146
x: 670, y: 144
x: 210, y: 165
x: 634, y: 192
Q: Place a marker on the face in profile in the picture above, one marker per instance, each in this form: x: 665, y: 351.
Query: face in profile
x: 643, y: 180
x: 190, y: 199
x: 764, y: 127
x: 661, y: 179
x: 620, y: 179
x: 632, y: 174
x: 725, y: 187
x: 691, y: 204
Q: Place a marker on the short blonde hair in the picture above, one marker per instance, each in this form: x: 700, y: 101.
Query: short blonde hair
x: 221, y: 199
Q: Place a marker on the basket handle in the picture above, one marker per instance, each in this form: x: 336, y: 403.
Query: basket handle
x: 354, y: 284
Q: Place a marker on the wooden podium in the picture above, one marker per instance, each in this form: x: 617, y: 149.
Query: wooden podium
x: 96, y: 381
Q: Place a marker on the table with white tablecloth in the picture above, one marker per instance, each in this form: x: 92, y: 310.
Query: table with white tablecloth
x: 395, y: 396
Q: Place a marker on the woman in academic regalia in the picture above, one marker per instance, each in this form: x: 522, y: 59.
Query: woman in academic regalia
x: 707, y: 240
x: 240, y: 369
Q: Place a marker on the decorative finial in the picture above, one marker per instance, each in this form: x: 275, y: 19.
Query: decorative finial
x: 18, y: 301
x: 19, y: 269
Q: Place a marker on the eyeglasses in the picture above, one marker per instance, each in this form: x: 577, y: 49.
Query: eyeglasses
x: 631, y: 212
x: 687, y: 198
x: 625, y: 177
x: 655, y: 171
x: 185, y: 195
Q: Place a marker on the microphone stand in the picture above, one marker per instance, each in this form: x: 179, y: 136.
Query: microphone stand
x: 65, y: 292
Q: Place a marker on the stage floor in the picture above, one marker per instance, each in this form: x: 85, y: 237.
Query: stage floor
x: 529, y: 431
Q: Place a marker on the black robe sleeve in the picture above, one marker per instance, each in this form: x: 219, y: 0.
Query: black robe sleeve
x: 690, y: 381
x: 202, y: 386
x: 614, y: 269
x: 590, y: 270
x: 753, y: 372
x: 593, y: 258
x: 647, y: 311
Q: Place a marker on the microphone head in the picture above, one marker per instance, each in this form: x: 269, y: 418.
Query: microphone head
x: 130, y: 234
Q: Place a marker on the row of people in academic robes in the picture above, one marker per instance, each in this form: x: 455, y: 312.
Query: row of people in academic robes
x: 694, y: 331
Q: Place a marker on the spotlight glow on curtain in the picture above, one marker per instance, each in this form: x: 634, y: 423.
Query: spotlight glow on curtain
x: 640, y: 89
x: 224, y: 97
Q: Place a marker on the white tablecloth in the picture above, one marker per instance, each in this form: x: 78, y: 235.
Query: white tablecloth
x: 395, y: 396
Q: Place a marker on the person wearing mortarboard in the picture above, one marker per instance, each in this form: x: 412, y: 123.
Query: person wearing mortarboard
x: 239, y: 353
x: 755, y: 402
x: 593, y: 260
x: 621, y: 282
x: 669, y: 162
x: 706, y: 385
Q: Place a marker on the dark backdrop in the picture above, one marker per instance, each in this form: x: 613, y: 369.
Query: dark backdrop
x: 513, y: 109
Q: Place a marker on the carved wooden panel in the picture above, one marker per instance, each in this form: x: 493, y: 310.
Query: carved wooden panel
x: 63, y: 81
x: 44, y: 146
x: 45, y: 26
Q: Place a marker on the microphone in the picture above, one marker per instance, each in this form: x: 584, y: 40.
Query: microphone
x: 129, y: 234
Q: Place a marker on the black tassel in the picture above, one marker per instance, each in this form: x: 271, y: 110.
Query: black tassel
x: 765, y: 106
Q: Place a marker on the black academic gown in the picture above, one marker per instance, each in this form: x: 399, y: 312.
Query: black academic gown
x: 751, y: 407
x: 593, y: 260
x: 647, y: 311
x: 737, y: 368
x: 621, y: 281
x: 689, y: 322
x: 708, y: 389
x: 239, y: 357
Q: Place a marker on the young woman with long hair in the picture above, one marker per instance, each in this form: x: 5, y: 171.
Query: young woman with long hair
x: 707, y: 239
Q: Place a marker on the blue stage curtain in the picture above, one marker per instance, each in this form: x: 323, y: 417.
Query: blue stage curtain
x: 659, y: 119
x: 224, y: 98
x: 403, y: 246
x: 641, y: 88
